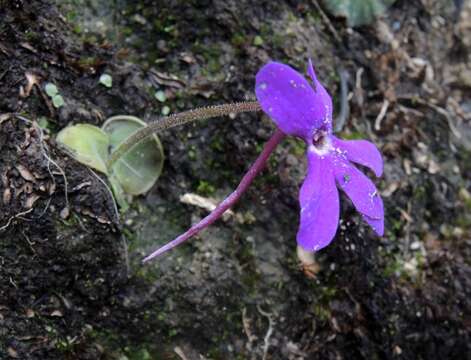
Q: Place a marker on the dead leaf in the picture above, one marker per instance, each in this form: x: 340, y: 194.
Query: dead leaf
x: 31, y: 200
x: 57, y: 313
x: 392, y: 187
x: 208, y: 204
x: 6, y: 196
x: 30, y: 313
x: 65, y: 212
x: 25, y: 173
x: 32, y: 80
x: 169, y: 80
x: 4, y: 117
x: 12, y: 353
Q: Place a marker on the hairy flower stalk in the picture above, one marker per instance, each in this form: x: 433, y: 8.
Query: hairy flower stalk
x: 173, y: 120
x: 230, y: 200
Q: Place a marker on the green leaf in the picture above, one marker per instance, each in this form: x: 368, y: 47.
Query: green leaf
x: 139, y: 169
x: 51, y: 89
x: 88, y: 144
x: 58, y: 101
x: 358, y: 12
x: 258, y: 40
x: 160, y: 95
x: 165, y: 110
x: 43, y: 122
x: 106, y: 80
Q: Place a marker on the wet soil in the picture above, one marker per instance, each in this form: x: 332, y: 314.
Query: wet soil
x: 71, y: 282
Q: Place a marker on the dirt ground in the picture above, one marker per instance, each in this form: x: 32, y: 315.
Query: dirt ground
x: 71, y: 282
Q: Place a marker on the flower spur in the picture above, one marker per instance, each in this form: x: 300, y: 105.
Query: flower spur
x: 305, y: 111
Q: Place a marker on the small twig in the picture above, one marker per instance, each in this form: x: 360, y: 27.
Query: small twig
x: 438, y: 109
x: 19, y: 215
x: 381, y: 114
x: 178, y: 350
x: 50, y: 106
x: 408, y: 218
x: 344, y: 106
x: 447, y: 116
x: 327, y: 22
x: 13, y: 283
x: 30, y: 243
x: 246, y: 324
x: 271, y: 324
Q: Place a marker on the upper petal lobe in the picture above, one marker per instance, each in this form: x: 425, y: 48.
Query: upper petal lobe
x: 319, y: 200
x: 288, y: 98
x: 361, y: 152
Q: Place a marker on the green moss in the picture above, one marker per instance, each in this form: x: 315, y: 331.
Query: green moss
x: 467, y: 204
x: 296, y: 147
x: 31, y: 36
x: 217, y: 143
x: 205, y: 188
x: 419, y: 193
x: 139, y: 354
x: 192, y: 152
x: 464, y: 221
x: 392, y: 268
x: 322, y: 312
x: 238, y: 39
x: 353, y: 135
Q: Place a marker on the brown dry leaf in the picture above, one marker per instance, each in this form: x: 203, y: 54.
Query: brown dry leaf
x: 28, y: 47
x: 26, y: 188
x: 208, y: 204
x: 6, y: 196
x: 30, y: 313
x: 390, y: 189
x: 397, y: 350
x: 12, y: 353
x: 25, y: 173
x: 65, y: 212
x: 31, y: 200
x: 5, y: 180
x: 309, y: 265
x: 100, y: 219
x: 169, y: 80
x: 4, y: 117
x: 51, y: 188
x: 57, y: 313
x: 407, y: 166
x: 32, y: 80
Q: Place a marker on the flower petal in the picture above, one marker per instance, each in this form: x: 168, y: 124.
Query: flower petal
x: 376, y: 224
x: 319, y: 200
x: 358, y: 187
x: 361, y: 152
x: 288, y: 98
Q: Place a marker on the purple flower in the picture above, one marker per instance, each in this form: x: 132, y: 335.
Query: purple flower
x: 305, y: 110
